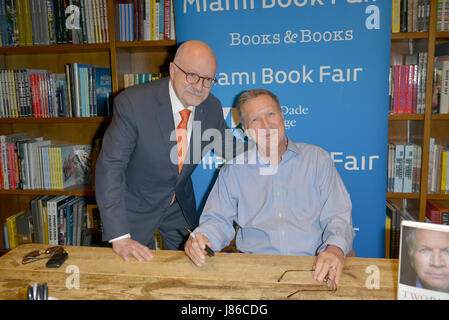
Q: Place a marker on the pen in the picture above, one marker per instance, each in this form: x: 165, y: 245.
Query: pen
x: 209, y: 250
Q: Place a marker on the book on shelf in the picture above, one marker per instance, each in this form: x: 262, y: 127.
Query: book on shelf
x: 11, y: 223
x: 432, y: 213
x: 438, y: 211
x: 387, y: 234
x: 442, y: 23
x: 407, y: 90
x: 407, y: 186
x: 440, y: 103
x: 399, y: 168
x: 410, y: 16
x: 55, y: 220
x: 132, y: 79
x: 419, y: 276
x: 394, y: 217
x: 82, y: 164
x: 145, y: 20
x: 404, y: 167
x: 396, y: 16
x: 38, y: 164
x: 24, y: 225
x: 103, y: 90
x: 83, y: 91
x: 438, y: 167
x: 5, y: 236
x: 50, y: 22
x: 8, y: 162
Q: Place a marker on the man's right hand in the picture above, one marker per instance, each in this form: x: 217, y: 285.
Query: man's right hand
x: 195, y: 248
x: 129, y: 247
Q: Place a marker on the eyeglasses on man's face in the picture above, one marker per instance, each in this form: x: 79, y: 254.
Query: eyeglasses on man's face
x: 193, y: 78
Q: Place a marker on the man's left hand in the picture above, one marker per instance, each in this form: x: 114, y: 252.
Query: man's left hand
x: 330, y: 262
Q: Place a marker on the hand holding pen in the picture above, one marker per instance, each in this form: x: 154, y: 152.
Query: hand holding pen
x: 197, y: 247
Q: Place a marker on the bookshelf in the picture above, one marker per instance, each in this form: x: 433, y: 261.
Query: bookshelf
x: 419, y: 128
x: 121, y: 57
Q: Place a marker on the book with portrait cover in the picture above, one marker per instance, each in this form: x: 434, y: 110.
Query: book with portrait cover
x: 82, y: 164
x: 423, y: 261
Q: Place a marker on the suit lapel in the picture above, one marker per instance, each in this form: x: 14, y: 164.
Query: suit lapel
x: 165, y: 121
x: 200, y: 116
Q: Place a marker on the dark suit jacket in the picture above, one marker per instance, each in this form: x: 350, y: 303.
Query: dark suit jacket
x: 135, y: 178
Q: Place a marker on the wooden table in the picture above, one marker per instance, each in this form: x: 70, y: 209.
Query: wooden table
x: 172, y: 276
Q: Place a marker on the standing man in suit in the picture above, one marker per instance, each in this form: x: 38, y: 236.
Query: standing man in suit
x: 140, y: 186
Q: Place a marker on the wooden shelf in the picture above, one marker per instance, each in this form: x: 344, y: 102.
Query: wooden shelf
x: 57, y: 120
x: 78, y: 190
x: 438, y: 196
x: 145, y: 44
x: 409, y: 35
x: 442, y: 35
x: 394, y: 117
x: 440, y: 116
x: 56, y: 48
x: 400, y: 195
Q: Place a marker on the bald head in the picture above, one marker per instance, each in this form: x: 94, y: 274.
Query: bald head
x: 195, y: 49
x: 192, y: 57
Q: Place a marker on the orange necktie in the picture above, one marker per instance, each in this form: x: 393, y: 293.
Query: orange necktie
x: 181, y: 137
x: 181, y: 140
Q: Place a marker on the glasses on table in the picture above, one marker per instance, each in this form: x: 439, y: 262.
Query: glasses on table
x: 36, y: 255
x: 331, y: 285
x: 193, y: 78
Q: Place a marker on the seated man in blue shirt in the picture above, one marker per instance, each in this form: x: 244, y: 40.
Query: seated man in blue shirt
x: 286, y: 197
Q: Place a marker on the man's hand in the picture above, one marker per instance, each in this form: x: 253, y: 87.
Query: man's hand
x: 329, y: 262
x: 195, y: 248
x: 129, y: 247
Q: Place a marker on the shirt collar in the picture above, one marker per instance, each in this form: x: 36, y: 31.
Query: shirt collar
x: 292, y: 149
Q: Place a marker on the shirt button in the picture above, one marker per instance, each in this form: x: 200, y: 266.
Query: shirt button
x: 280, y: 214
x: 283, y: 233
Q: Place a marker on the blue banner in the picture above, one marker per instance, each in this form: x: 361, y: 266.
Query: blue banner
x: 328, y: 63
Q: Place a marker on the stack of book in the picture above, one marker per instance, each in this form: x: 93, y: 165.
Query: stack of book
x: 404, y: 167
x: 410, y: 16
x: 55, y: 220
x: 408, y: 85
x: 35, y: 163
x: 50, y: 22
x: 438, y: 180
x: 83, y: 91
x: 394, y: 217
x: 145, y: 20
x: 437, y: 212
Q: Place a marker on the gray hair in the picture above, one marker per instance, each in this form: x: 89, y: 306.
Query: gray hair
x: 251, y: 94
